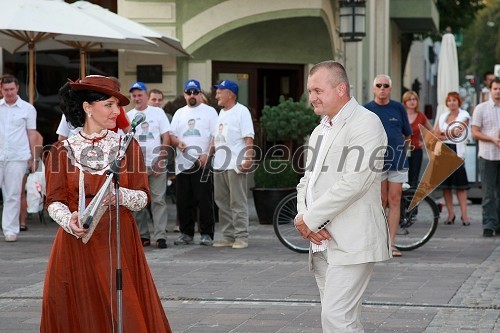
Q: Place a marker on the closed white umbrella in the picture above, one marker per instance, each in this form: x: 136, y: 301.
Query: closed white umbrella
x: 447, y: 78
x: 46, y: 24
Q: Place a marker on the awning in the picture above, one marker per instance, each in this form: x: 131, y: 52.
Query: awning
x: 415, y: 16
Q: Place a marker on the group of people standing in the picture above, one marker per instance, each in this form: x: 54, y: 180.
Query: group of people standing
x: 79, y: 273
x: 208, y: 169
x: 454, y: 128
x: 402, y: 123
x: 191, y: 133
x: 341, y: 210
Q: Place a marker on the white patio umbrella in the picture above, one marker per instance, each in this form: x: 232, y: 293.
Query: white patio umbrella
x: 447, y: 78
x: 163, y: 44
x: 46, y: 24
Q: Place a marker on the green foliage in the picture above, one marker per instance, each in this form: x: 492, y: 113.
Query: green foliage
x: 457, y: 14
x: 275, y: 174
x: 288, y: 120
x: 481, y: 50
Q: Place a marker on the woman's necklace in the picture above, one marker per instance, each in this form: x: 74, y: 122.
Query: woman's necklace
x: 94, y: 139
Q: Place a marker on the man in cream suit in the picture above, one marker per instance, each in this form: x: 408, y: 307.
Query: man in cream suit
x: 338, y: 201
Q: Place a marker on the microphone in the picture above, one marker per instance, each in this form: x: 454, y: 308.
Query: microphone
x: 139, y: 118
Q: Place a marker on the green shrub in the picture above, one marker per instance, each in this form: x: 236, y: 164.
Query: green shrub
x: 288, y: 120
x: 275, y: 174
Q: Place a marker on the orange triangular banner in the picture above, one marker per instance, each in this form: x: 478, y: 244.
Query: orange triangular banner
x: 442, y: 162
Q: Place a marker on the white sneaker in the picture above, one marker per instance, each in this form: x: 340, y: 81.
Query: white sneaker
x: 223, y: 243
x: 10, y: 238
x: 240, y: 244
x: 206, y: 240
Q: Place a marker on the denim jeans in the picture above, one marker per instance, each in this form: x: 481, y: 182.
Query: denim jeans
x: 490, y: 184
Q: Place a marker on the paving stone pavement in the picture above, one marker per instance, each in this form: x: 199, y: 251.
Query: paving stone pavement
x: 451, y: 284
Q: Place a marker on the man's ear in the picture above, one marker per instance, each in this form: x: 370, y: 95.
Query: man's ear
x: 342, y: 89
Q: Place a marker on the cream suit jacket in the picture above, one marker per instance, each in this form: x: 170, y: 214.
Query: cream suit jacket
x: 346, y: 192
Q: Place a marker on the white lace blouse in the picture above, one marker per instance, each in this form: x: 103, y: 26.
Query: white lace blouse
x: 93, y: 154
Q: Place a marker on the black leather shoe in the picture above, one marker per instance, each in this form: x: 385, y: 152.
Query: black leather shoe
x: 487, y: 233
x: 145, y: 241
x: 161, y: 243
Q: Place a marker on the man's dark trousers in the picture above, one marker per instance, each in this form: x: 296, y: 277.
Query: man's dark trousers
x: 195, y: 201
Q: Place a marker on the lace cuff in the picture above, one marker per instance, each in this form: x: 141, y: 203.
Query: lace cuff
x: 135, y: 200
x: 60, y: 213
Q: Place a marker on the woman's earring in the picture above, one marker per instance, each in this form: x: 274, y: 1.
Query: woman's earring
x: 89, y: 115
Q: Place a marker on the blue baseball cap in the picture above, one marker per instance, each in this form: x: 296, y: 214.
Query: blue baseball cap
x: 229, y: 85
x: 192, y: 84
x: 138, y: 85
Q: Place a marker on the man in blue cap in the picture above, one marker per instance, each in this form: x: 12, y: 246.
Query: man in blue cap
x: 154, y: 140
x: 192, y: 133
x: 232, y: 160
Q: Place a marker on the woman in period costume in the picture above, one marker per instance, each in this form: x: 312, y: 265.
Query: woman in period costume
x: 80, y: 286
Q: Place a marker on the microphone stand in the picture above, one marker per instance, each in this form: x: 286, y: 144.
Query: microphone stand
x: 114, y: 174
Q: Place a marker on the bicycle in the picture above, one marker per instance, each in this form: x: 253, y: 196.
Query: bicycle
x: 284, y: 227
x: 416, y: 226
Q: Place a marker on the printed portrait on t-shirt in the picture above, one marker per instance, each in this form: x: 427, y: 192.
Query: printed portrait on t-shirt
x: 221, y: 134
x: 145, y: 133
x: 192, y: 131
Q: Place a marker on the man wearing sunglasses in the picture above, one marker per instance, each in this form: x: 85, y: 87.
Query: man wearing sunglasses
x: 17, y: 145
x: 397, y: 127
x: 192, y: 133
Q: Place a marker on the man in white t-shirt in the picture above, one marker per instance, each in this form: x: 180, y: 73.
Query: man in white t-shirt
x: 233, y: 157
x: 16, y: 152
x: 192, y: 133
x: 64, y: 130
x: 153, y: 136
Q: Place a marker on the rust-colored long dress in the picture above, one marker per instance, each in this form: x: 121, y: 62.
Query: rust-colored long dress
x: 80, y: 286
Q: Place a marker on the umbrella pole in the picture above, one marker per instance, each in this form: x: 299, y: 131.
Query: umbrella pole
x: 83, y: 70
x: 31, y: 72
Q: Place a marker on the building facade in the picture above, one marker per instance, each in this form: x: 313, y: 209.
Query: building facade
x: 268, y: 46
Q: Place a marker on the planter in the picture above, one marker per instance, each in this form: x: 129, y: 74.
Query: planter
x: 266, y: 200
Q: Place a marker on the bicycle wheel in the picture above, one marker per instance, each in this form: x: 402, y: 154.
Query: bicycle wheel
x: 283, y: 219
x: 416, y: 226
